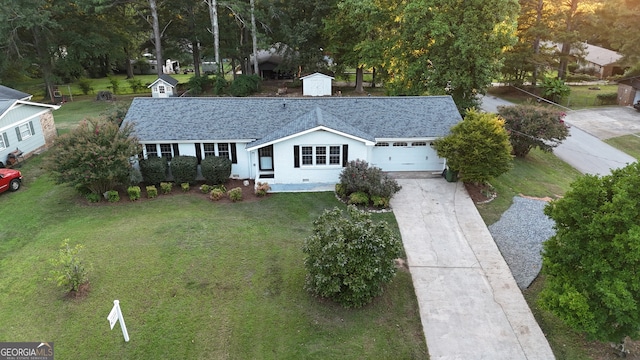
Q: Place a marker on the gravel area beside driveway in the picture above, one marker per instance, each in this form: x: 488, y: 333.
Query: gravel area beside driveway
x: 519, y: 235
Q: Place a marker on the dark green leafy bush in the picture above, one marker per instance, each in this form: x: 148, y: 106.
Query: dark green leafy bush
x: 184, y: 169
x: 199, y: 84
x: 154, y: 170
x: 216, y: 169
x: 357, y: 176
x: 350, y: 258
x: 245, y: 85
x: 92, y: 197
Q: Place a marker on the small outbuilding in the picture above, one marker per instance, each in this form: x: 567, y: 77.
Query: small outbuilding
x: 629, y: 91
x: 316, y: 84
x: 164, y: 86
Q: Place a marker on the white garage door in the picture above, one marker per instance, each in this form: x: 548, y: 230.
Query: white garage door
x: 406, y: 156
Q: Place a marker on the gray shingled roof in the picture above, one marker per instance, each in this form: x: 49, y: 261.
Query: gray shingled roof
x: 5, y: 104
x: 166, y: 78
x: 9, y: 93
x: 267, y: 119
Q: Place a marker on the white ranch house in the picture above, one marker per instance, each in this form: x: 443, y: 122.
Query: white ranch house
x: 297, y: 144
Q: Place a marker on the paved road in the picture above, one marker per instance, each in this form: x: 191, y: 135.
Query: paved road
x: 470, y: 305
x: 584, y: 149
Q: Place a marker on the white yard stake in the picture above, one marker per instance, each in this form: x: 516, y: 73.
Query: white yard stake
x: 114, y: 316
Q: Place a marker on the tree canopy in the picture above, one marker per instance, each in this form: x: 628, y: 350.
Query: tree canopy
x: 478, y: 147
x: 592, y: 262
x: 533, y: 126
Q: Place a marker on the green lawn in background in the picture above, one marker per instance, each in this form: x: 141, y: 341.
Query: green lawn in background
x: 195, y: 279
x: 580, y: 97
x: 630, y: 144
x: 82, y: 107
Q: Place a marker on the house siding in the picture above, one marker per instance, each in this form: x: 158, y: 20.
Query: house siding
x: 42, y: 124
x: 286, y: 173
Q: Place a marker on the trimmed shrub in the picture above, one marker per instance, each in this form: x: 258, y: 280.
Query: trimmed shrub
x: 216, y: 169
x: 380, y: 202
x: 184, y: 169
x: 359, y: 198
x: 154, y: 170
x: 607, y: 98
x: 262, y: 189
x: 205, y: 189
x: 220, y: 85
x: 350, y: 258
x: 185, y: 187
x: 166, y: 187
x: 235, y: 194
x: 245, y: 85
x: 92, y: 197
x: 134, y: 192
x: 199, y: 84
x: 216, y: 194
x: 341, y: 190
x: 113, y: 196
x: 152, y: 191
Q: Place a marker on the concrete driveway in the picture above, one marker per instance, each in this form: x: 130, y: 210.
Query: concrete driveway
x: 470, y: 305
x: 606, y: 122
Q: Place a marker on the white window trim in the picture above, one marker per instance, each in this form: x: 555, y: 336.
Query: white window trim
x: 22, y: 133
x: 2, y: 144
x: 327, y: 155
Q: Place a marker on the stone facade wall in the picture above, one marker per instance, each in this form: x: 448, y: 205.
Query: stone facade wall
x: 48, y: 129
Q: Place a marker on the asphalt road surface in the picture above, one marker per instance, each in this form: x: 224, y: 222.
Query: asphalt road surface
x: 584, y: 150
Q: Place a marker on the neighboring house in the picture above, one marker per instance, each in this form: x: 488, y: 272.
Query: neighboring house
x: 629, y: 91
x: 316, y: 84
x: 604, y: 61
x: 269, y: 62
x: 164, y: 86
x: 25, y: 127
x: 297, y: 143
x: 148, y: 66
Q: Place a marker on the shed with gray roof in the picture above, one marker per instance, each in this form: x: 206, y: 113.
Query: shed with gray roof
x: 303, y: 141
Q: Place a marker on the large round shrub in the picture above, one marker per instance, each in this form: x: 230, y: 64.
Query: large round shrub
x: 350, y: 258
x: 154, y: 170
x: 216, y: 169
x: 358, y: 176
x: 184, y: 169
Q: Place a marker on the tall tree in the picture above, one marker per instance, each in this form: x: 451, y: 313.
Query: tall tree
x: 213, y: 15
x: 452, y: 47
x: 156, y: 35
x: 359, y: 33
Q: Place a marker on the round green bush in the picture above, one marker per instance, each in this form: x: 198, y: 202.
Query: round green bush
x: 154, y: 170
x: 184, y: 169
x: 350, y: 258
x: 216, y: 169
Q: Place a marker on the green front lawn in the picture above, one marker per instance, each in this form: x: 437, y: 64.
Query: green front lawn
x: 539, y: 175
x: 628, y: 143
x: 195, y: 279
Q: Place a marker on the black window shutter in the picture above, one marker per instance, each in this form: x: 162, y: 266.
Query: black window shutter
x: 198, y: 152
x: 234, y: 155
x: 6, y: 139
x: 345, y: 155
x: 296, y: 156
x: 176, y: 150
x: 18, y: 134
x: 33, y: 131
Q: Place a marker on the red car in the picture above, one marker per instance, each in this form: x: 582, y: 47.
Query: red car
x: 10, y: 179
